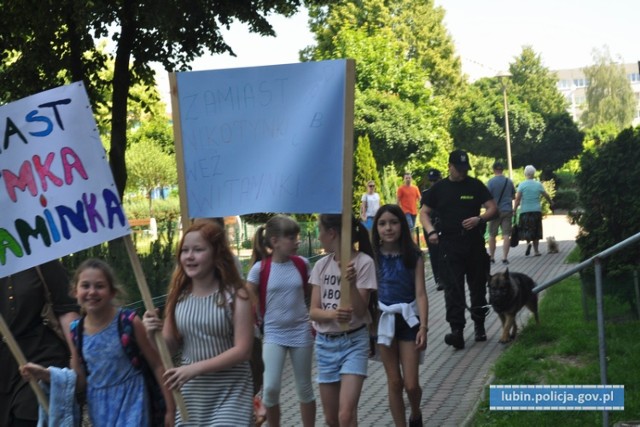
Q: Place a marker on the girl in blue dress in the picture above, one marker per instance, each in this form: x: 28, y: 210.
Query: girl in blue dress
x: 404, y: 308
x: 115, y: 390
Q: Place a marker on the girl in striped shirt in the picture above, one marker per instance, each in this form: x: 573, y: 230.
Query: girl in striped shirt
x: 209, y: 320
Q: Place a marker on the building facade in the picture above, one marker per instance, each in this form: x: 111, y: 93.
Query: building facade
x: 572, y: 83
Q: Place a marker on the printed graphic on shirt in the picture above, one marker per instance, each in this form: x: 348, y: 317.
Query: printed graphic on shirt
x: 330, y: 298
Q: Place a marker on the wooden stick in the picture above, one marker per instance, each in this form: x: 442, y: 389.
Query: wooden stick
x: 347, y: 190
x: 19, y: 356
x: 177, y: 137
x: 148, y: 304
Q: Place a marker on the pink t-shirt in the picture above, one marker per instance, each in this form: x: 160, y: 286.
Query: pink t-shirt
x: 326, y: 275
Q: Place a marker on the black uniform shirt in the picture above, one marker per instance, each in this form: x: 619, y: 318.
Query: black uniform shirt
x: 455, y: 201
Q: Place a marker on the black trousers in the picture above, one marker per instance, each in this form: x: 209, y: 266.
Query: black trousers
x: 434, y: 258
x: 464, y: 258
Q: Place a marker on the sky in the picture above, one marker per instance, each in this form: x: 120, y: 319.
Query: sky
x: 488, y: 35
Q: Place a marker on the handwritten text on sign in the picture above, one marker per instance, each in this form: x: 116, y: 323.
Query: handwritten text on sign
x: 56, y: 189
x: 263, y: 139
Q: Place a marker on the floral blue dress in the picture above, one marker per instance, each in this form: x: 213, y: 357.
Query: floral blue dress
x: 116, y: 393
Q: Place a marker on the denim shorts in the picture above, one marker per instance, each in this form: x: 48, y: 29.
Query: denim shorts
x: 403, y: 331
x: 345, y: 354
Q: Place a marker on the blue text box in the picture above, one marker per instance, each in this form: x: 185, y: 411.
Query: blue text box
x: 556, y: 397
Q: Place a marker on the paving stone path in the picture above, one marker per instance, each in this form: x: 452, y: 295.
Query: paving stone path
x: 452, y: 381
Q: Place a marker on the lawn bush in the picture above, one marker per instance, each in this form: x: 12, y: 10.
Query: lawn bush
x: 607, y: 183
x: 566, y: 199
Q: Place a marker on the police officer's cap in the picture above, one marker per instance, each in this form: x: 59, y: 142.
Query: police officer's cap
x: 460, y: 160
x: 433, y: 175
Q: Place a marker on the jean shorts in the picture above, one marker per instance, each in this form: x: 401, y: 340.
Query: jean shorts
x: 343, y: 354
x: 403, y: 331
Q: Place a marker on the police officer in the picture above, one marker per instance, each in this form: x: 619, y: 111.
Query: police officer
x: 460, y: 235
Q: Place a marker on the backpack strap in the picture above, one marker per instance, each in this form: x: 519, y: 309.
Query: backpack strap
x: 127, y: 336
x: 77, y: 330
x: 126, y: 331
x: 265, y: 269
x: 304, y: 273
x: 302, y: 268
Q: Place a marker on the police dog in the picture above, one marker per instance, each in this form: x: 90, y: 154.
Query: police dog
x: 508, y: 293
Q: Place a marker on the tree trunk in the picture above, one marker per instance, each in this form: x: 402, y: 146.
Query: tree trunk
x: 121, y: 82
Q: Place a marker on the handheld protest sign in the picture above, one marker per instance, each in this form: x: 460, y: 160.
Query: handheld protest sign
x: 266, y: 139
x: 347, y: 188
x: 56, y: 188
x: 262, y: 139
x: 57, y: 191
x: 177, y: 137
x: 19, y: 356
x: 165, y: 356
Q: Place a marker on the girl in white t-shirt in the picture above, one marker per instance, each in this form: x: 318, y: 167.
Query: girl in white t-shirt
x: 342, y: 353
x: 285, y: 315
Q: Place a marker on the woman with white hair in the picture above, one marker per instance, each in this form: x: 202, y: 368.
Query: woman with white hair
x: 528, y: 198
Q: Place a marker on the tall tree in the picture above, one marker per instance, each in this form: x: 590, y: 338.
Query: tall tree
x: 150, y: 167
x: 610, y: 98
x: 416, y: 25
x: 52, y: 43
x: 477, y: 123
x: 541, y: 131
x: 396, y: 106
x: 420, y: 26
x: 364, y: 170
x: 535, y: 84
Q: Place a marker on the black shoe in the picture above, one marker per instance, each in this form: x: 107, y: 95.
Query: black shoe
x: 481, y: 335
x: 439, y: 287
x: 416, y: 422
x: 493, y: 261
x: 528, y: 250
x: 455, y: 339
x: 505, y: 261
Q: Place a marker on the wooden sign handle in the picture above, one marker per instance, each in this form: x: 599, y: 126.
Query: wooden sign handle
x: 165, y: 356
x: 347, y: 190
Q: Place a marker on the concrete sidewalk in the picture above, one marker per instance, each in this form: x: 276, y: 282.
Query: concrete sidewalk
x: 452, y: 381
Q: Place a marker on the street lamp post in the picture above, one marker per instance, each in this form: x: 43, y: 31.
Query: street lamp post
x: 502, y: 77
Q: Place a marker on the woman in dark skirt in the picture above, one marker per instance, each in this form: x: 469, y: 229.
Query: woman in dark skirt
x: 528, y: 198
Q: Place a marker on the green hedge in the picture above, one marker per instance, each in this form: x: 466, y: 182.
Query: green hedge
x: 566, y: 198
x: 607, y: 184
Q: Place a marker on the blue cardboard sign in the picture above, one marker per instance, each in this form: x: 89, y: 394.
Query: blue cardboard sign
x: 263, y: 139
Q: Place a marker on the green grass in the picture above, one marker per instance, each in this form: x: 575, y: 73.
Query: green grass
x: 563, y: 350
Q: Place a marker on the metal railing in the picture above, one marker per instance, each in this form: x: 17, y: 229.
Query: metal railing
x: 596, y: 261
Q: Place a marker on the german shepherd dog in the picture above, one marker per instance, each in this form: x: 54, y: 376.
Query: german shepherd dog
x: 508, y: 293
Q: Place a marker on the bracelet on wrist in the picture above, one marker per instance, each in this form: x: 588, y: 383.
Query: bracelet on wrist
x: 480, y: 219
x: 431, y: 233
x: 425, y: 327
